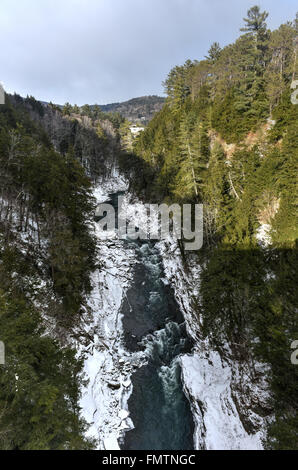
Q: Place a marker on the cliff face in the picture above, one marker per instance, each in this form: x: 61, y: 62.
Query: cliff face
x: 230, y: 399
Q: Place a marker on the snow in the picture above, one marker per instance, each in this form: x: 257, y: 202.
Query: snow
x: 135, y: 130
x: 108, y: 186
x: 111, y: 443
x: 123, y: 414
x: 263, y: 235
x: 107, y: 365
x: 126, y: 383
x: 218, y: 426
x: 223, y: 394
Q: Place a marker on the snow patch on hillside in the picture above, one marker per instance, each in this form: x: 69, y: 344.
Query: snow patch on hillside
x: 114, y: 184
x: 263, y: 235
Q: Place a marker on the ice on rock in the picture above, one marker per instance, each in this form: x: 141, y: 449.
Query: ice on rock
x: 208, y: 384
x: 126, y: 383
x: 108, y: 389
x: 123, y: 414
x: 111, y: 443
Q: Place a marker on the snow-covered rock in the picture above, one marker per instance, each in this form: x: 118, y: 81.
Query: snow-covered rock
x: 263, y: 235
x: 107, y: 365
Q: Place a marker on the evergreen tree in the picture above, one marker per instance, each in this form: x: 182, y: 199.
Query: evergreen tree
x: 255, y: 21
x: 214, y: 52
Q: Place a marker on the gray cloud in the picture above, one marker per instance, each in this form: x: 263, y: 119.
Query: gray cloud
x: 87, y: 51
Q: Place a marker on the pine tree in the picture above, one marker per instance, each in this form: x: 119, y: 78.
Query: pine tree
x: 214, y: 52
x: 255, y: 21
x: 67, y: 109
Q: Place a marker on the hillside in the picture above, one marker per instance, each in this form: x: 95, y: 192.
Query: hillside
x: 47, y: 254
x: 137, y: 109
x: 227, y: 138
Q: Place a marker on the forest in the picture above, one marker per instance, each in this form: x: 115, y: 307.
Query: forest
x: 46, y: 256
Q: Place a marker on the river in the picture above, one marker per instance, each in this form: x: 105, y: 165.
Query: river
x: 153, y: 322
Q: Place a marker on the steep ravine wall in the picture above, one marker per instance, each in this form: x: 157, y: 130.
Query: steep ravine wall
x: 77, y: 134
x: 229, y: 399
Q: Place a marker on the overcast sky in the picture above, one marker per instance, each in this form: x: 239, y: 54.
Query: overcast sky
x: 103, y: 51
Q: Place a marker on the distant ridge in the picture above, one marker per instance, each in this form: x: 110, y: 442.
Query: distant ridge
x: 136, y: 110
x: 140, y: 109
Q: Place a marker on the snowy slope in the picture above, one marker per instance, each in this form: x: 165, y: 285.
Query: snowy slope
x: 225, y: 396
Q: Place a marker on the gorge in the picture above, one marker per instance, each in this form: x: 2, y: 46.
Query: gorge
x: 120, y: 343
x: 164, y: 388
